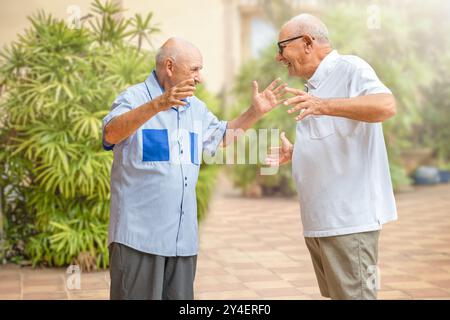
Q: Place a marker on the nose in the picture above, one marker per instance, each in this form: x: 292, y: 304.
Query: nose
x: 198, y: 78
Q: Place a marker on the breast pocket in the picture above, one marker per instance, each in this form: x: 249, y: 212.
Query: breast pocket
x: 347, y: 127
x: 155, y: 145
x: 320, y: 127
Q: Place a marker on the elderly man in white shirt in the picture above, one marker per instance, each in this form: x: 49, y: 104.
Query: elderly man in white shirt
x: 339, y: 160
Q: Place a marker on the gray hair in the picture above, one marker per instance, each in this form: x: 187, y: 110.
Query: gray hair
x: 164, y: 53
x: 172, y: 49
x: 307, y: 23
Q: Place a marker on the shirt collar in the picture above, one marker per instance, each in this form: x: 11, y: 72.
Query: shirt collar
x: 326, y: 66
x: 155, y: 90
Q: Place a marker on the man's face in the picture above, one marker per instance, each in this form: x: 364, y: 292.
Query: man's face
x: 187, y: 66
x: 295, y: 55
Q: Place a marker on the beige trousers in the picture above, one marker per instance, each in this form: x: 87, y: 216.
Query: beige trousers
x: 346, y: 266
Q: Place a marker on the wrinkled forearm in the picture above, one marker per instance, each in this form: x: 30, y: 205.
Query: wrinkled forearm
x: 126, y: 124
x: 370, y: 108
x: 238, y: 126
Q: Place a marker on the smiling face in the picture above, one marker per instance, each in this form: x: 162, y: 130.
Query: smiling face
x: 297, y: 55
x: 178, y: 60
x: 187, y: 66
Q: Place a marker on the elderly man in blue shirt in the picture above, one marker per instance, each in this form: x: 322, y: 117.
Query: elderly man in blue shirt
x: 158, y: 130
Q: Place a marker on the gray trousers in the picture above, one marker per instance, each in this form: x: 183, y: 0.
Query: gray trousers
x: 137, y: 275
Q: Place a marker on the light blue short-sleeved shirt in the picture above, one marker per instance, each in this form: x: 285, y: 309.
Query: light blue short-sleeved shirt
x: 155, y: 171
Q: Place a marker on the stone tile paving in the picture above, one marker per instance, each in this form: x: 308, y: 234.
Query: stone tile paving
x: 254, y: 249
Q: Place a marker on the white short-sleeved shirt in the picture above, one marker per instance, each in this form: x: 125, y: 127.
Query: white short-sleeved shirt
x: 340, y: 166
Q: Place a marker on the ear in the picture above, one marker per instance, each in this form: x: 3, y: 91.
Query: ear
x: 308, y: 42
x: 169, y: 66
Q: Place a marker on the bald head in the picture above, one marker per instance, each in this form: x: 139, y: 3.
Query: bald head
x: 178, y: 60
x: 303, y: 44
x: 176, y: 49
x: 308, y: 24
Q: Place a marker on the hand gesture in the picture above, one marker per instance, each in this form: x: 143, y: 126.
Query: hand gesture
x: 174, y: 96
x: 268, y: 99
x: 280, y: 155
x: 305, y: 103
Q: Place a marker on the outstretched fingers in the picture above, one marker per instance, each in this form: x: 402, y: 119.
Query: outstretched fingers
x: 273, y: 84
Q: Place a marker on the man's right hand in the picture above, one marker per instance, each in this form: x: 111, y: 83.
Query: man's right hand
x: 126, y: 124
x: 175, y: 95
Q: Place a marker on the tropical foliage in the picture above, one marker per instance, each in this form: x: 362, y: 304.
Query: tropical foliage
x: 435, y: 128
x: 58, y: 83
x: 405, y: 46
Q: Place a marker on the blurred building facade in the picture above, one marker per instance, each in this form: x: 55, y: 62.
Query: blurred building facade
x: 228, y: 32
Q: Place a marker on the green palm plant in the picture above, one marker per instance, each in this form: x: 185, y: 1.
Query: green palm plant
x: 108, y: 25
x: 54, y: 103
x: 143, y: 29
x: 58, y: 85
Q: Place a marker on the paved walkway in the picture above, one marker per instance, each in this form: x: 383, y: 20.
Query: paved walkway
x: 253, y: 249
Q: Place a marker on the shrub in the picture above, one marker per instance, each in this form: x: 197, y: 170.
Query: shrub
x: 58, y: 84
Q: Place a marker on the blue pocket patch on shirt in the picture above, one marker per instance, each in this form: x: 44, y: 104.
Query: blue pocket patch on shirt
x: 155, y: 145
x: 194, y: 147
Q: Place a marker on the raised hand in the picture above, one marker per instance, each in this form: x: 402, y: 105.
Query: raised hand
x: 305, y: 103
x: 174, y: 96
x: 268, y: 99
x: 280, y: 155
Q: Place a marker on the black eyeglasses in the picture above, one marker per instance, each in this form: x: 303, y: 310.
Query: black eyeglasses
x: 281, y: 48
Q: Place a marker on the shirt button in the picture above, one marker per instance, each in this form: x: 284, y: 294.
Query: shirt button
x: 181, y: 151
x: 185, y: 184
x: 185, y: 178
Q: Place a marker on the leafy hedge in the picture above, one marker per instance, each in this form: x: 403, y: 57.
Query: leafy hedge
x: 58, y: 83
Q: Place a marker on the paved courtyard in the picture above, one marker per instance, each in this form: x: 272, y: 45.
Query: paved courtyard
x: 253, y: 249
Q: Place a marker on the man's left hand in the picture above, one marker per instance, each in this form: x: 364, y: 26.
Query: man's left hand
x: 305, y: 103
x: 266, y: 100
